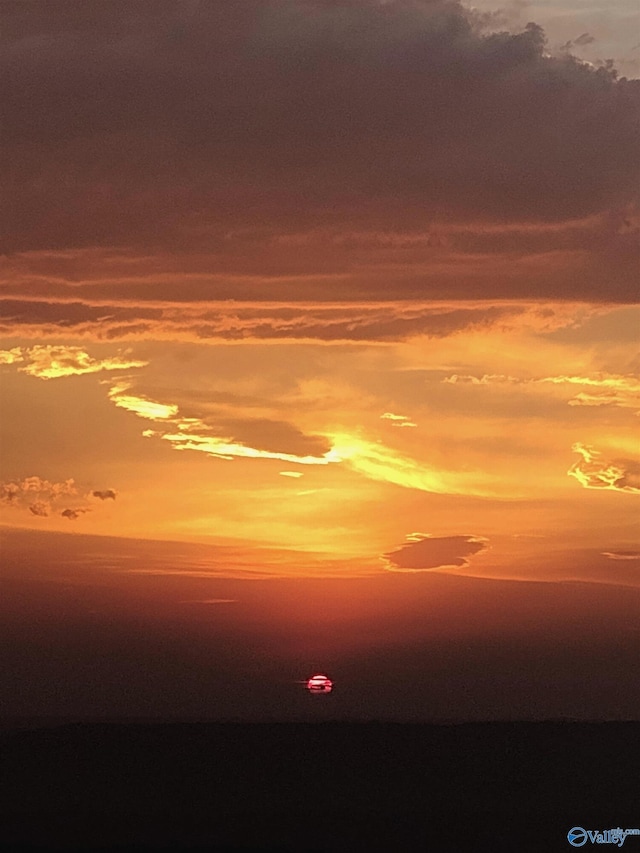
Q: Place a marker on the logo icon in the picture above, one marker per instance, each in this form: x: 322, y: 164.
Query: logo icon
x: 577, y: 836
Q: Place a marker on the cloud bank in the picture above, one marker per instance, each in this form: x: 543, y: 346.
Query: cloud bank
x: 265, y: 149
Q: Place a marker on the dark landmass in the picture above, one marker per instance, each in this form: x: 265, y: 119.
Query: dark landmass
x: 324, y: 786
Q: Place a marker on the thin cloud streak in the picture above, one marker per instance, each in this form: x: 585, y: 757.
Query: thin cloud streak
x: 54, y: 362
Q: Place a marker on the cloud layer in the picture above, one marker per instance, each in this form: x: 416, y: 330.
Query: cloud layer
x: 267, y: 149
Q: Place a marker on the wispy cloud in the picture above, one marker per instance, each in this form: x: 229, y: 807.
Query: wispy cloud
x: 54, y: 362
x: 211, y: 601
x: 604, y: 389
x: 195, y: 434
x: 140, y: 406
x: 386, y: 464
x: 397, y: 420
x: 594, y: 472
x: 622, y: 555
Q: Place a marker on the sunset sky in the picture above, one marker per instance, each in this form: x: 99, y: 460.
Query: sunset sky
x: 319, y: 352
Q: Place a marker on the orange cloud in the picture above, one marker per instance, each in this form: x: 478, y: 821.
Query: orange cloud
x: 604, y: 389
x: 622, y: 555
x: 53, y: 362
x: 11, y: 356
x: 193, y: 433
x: 592, y: 472
x: 397, y: 420
x: 140, y: 406
x: 43, y: 497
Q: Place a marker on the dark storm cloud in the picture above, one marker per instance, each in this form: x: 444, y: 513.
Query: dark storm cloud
x: 152, y: 124
x: 422, y: 552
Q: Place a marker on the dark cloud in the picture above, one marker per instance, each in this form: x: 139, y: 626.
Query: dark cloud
x: 422, y: 552
x: 272, y: 435
x: 104, y: 494
x: 149, y: 124
x: 67, y: 315
x: 230, y: 321
x: 72, y: 514
x: 39, y: 508
x: 581, y: 41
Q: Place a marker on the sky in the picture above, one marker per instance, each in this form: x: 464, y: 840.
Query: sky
x: 319, y: 353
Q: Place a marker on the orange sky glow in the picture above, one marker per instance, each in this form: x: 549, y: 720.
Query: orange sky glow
x: 323, y: 337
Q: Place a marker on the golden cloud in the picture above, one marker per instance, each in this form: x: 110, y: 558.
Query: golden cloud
x: 605, y: 389
x: 53, y: 362
x: 593, y: 472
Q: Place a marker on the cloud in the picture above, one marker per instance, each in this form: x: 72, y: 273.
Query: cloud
x: 72, y: 514
x: 593, y: 472
x: 32, y: 486
x: 265, y: 120
x: 52, y: 362
x: 270, y: 435
x: 11, y: 356
x: 222, y: 448
x: 581, y: 41
x: 379, y: 462
x: 104, y: 494
x: 622, y: 555
x: 40, y: 508
x: 200, y: 320
x: 140, y: 406
x: 212, y: 601
x: 226, y: 438
x: 43, y: 497
x: 397, y: 420
x: 295, y: 474
x: 604, y: 389
x: 423, y: 552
